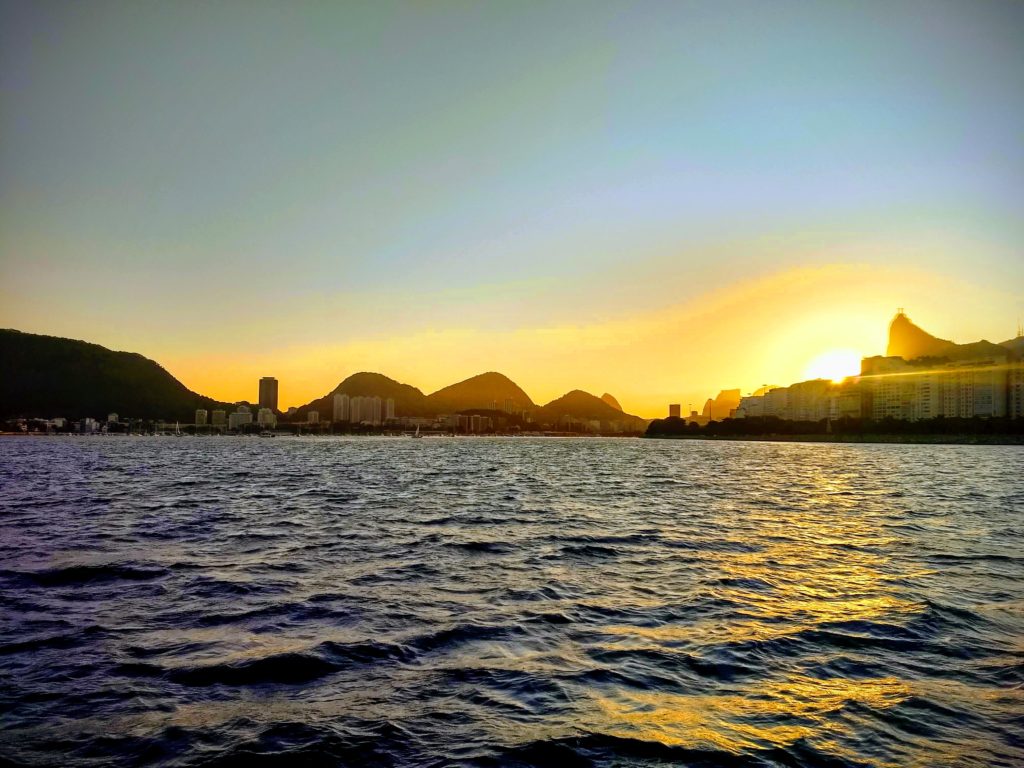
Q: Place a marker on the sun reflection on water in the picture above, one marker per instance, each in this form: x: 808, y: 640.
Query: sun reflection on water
x: 817, y: 565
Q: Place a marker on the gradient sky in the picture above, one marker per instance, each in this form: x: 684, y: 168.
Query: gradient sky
x: 657, y: 200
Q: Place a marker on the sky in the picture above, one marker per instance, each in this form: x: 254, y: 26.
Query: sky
x: 657, y: 200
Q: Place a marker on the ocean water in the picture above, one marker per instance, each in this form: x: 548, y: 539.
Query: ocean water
x: 484, y: 602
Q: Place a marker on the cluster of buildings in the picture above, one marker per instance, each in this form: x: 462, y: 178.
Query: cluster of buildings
x: 812, y: 400
x: 237, y: 419
x: 890, y: 387
x: 922, y: 377
x: 361, y: 409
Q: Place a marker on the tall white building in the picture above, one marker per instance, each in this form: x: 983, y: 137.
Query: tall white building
x: 366, y: 409
x: 776, y: 402
x: 341, y: 408
x: 389, y: 409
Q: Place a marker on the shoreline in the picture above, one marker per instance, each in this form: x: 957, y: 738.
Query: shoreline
x: 869, y: 438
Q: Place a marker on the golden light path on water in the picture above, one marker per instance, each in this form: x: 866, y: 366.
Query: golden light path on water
x: 810, y: 587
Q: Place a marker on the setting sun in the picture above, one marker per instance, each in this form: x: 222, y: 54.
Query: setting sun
x: 835, y: 364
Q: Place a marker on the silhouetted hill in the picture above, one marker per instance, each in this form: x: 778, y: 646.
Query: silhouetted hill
x: 610, y: 399
x: 1016, y: 346
x: 910, y: 342
x: 409, y: 401
x: 487, y: 390
x: 724, y: 404
x: 583, y: 406
x: 47, y: 376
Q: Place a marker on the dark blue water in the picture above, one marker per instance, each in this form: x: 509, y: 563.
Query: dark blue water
x: 233, y: 601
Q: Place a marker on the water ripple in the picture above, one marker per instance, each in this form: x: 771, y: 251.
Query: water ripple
x: 382, y: 602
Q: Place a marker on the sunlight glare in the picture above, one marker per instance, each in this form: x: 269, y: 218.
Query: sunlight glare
x: 835, y: 364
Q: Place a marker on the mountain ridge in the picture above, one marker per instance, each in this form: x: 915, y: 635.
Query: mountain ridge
x: 911, y: 342
x: 46, y: 376
x: 485, y: 390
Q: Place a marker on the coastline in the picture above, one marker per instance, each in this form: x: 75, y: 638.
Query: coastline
x: 868, y: 438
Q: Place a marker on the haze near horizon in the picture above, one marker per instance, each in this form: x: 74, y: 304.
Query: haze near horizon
x: 652, y: 201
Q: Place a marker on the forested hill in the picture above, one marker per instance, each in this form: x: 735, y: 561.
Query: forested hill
x: 47, y: 376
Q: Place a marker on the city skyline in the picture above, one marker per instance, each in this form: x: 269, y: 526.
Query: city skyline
x: 834, y: 366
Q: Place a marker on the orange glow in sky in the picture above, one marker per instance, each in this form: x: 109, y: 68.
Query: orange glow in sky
x: 656, y: 202
x: 836, y: 365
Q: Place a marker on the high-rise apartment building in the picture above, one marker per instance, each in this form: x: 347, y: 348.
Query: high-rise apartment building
x: 1015, y: 390
x: 341, y: 408
x: 218, y: 418
x: 268, y: 392
x: 201, y: 417
x: 674, y: 410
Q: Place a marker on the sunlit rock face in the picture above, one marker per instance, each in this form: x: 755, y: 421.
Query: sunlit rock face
x: 908, y: 341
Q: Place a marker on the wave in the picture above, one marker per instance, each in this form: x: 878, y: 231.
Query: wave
x: 289, y: 668
x: 482, y: 547
x: 73, y: 575
x: 359, y: 602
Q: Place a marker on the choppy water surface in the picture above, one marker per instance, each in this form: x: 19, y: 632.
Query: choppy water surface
x: 432, y: 602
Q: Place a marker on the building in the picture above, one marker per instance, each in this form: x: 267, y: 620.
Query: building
x: 674, y: 410
x: 266, y: 418
x: 1015, y: 390
x: 389, y: 409
x: 111, y: 418
x: 845, y: 400
x: 751, y: 407
x: 218, y: 418
x: 201, y: 417
x: 808, y: 400
x: 240, y: 417
x: 927, y: 388
x: 776, y: 402
x: 367, y: 409
x: 472, y: 423
x: 268, y: 393
x: 341, y: 409
x: 313, y: 417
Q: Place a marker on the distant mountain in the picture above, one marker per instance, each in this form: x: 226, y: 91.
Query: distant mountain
x: 727, y: 401
x: 409, y: 401
x: 47, y: 376
x: 488, y: 390
x: 910, y: 342
x: 1016, y: 346
x: 610, y: 399
x: 584, y: 406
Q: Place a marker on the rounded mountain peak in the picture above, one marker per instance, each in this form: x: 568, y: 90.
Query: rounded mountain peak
x: 610, y: 399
